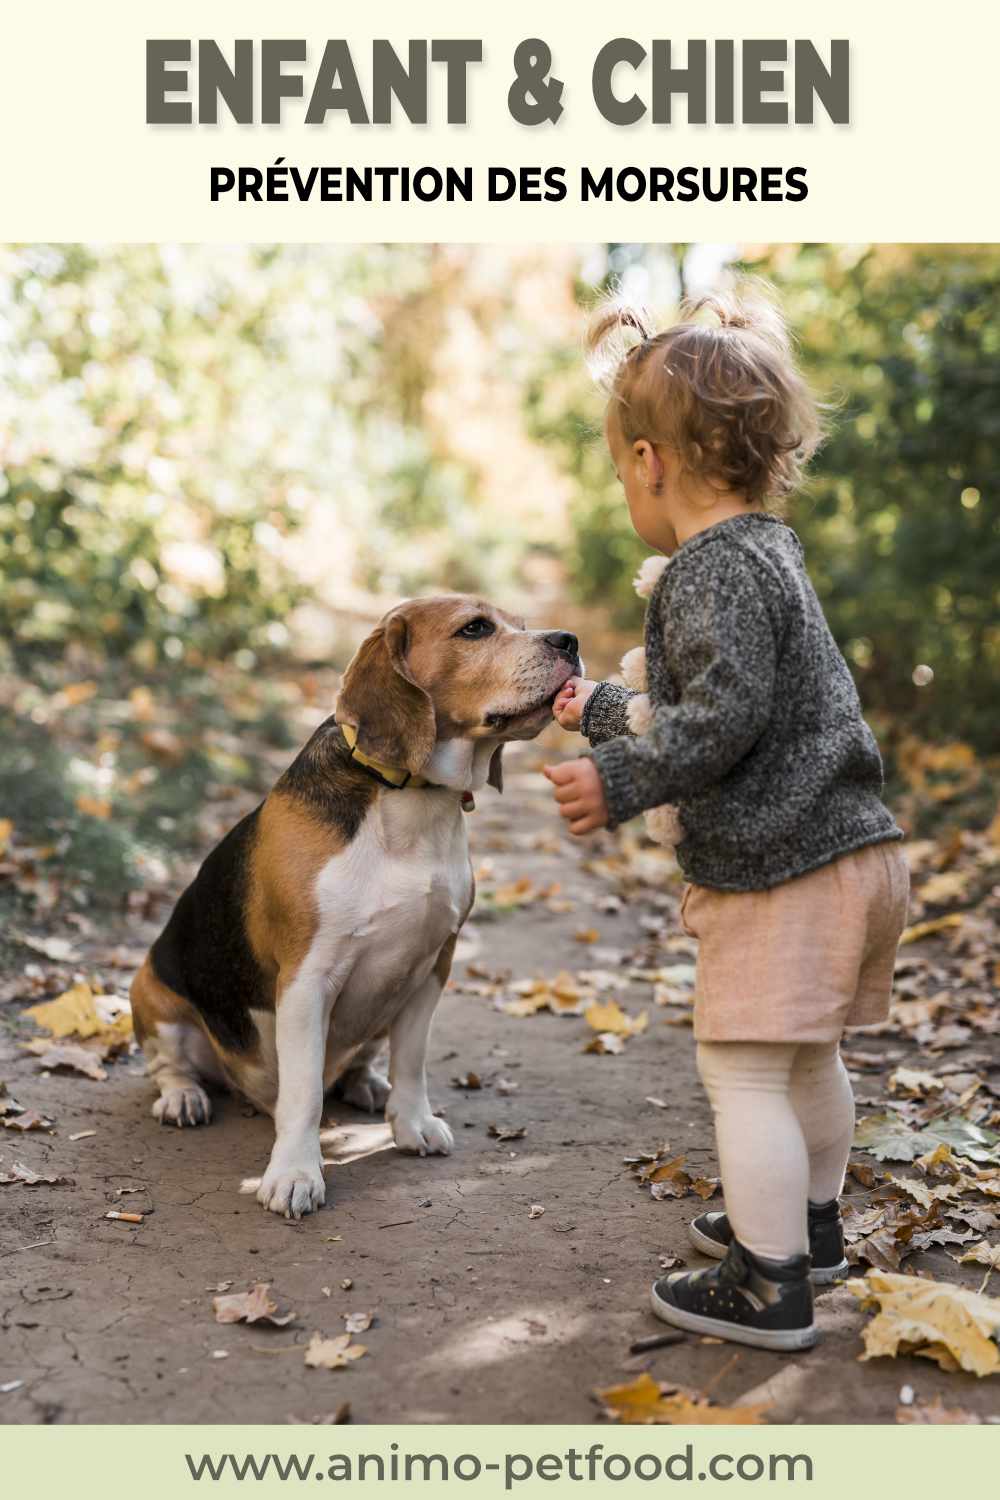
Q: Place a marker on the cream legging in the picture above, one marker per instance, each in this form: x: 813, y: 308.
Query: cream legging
x: 784, y: 1122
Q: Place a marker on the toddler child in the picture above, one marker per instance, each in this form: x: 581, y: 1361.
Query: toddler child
x: 797, y: 890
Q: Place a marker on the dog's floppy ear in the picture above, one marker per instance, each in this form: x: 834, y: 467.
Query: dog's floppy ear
x: 392, y: 714
x: 495, y: 775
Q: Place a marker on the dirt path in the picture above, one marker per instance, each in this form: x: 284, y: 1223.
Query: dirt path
x: 484, y: 1314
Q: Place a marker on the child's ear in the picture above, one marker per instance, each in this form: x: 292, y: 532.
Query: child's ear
x: 650, y: 464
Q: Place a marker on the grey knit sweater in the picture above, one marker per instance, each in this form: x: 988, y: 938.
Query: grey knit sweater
x: 757, y: 732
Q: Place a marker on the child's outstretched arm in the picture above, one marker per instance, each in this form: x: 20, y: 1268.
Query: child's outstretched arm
x: 596, y: 709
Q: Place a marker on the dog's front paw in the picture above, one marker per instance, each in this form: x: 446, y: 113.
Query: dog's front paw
x: 185, y: 1105
x: 292, y: 1191
x: 366, y: 1089
x: 424, y: 1134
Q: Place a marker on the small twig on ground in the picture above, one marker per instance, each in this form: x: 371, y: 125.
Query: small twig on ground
x: 657, y: 1341
x: 724, y: 1370
x: 396, y: 1224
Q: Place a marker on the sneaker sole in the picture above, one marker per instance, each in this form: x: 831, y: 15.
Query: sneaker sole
x: 760, y: 1338
x: 819, y: 1275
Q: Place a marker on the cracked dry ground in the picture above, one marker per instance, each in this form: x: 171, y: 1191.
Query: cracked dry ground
x: 483, y: 1312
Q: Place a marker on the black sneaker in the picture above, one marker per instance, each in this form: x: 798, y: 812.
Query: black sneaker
x: 712, y: 1234
x: 746, y: 1299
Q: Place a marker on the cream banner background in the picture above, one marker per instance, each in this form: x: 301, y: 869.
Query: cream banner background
x: 917, y: 162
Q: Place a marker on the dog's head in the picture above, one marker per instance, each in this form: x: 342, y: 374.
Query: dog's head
x: 452, y: 668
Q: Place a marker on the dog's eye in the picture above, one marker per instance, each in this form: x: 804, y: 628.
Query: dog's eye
x: 474, y: 630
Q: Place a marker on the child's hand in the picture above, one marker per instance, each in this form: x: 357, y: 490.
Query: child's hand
x: 571, y: 701
x: 580, y: 795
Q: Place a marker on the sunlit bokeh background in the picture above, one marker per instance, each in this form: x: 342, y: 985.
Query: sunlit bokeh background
x: 219, y: 465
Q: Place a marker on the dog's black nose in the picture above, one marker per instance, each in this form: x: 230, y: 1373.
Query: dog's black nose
x: 564, y: 642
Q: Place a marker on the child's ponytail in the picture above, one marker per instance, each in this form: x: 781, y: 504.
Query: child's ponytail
x: 720, y: 387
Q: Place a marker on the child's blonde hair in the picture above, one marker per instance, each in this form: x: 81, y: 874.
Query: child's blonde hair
x: 726, y: 396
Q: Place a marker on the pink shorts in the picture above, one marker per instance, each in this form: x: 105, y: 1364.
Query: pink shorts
x: 804, y: 960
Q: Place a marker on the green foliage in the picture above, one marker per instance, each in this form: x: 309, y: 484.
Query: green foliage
x: 603, y: 551
x: 901, y: 519
x: 170, y: 416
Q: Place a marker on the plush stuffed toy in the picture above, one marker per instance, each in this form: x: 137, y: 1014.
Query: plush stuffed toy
x: 663, y: 824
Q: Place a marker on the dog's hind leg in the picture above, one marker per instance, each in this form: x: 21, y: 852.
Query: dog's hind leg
x: 364, y: 1085
x: 178, y: 1054
x: 414, y: 1126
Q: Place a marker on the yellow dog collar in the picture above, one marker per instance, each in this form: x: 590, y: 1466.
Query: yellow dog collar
x: 396, y: 777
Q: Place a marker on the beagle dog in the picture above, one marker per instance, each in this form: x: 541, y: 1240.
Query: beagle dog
x: 325, y: 921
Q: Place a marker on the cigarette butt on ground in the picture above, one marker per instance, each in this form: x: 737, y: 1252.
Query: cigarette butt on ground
x: 124, y: 1218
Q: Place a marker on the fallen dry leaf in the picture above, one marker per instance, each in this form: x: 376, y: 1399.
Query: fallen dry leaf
x: 535, y: 1211
x: 982, y: 1254
x: 927, y: 929
x: 8, y: 1104
x: 609, y: 1017
x: 23, y: 1174
x: 333, y: 1354
x: 890, y: 1139
x: 934, y: 1412
x: 79, y: 1012
x: 506, y: 1132
x: 940, y: 1321
x: 67, y: 1055
x: 944, y: 887
x: 605, y: 1041
x: 28, y: 1119
x: 358, y: 1322
x: 914, y: 1082
x: 645, y: 1401
x: 665, y: 1176
x: 467, y: 1081
x: 255, y: 1306
x: 57, y: 950
x: 563, y: 996
x: 980, y: 1220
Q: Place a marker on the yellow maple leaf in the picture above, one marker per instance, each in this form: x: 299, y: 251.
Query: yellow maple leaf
x: 927, y: 929
x: 6, y: 829
x: 516, y: 893
x: 644, y: 1401
x: 946, y: 885
x: 333, y: 1354
x: 609, y: 1017
x: 76, y: 1013
x: 940, y: 1321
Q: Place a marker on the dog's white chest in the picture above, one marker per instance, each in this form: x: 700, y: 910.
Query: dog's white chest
x: 389, y: 902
